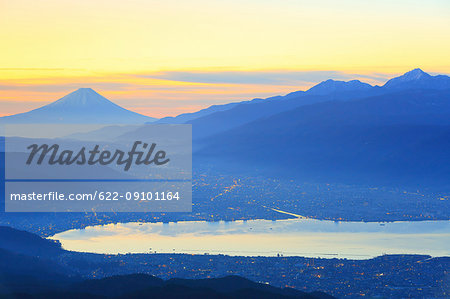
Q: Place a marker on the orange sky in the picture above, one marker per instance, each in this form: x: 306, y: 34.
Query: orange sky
x: 168, y: 57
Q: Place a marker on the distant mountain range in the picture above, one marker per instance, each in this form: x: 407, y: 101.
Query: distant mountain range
x: 335, y: 131
x: 348, y: 132
x: 221, y: 118
x: 418, y: 79
x: 81, y: 106
x: 87, y: 106
x: 395, y: 138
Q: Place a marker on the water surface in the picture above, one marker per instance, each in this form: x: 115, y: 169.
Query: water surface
x: 293, y: 237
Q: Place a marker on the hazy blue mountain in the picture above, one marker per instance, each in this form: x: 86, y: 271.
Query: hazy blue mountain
x: 327, y: 87
x: 247, y: 112
x: 418, y: 79
x: 401, y: 137
x: 333, y: 86
x: 81, y: 106
x: 185, y: 117
x: 329, y: 90
x: 107, y: 133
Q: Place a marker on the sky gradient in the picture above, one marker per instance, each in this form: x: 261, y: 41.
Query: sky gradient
x: 163, y: 58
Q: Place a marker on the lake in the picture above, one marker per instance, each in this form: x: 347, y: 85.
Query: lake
x: 292, y: 237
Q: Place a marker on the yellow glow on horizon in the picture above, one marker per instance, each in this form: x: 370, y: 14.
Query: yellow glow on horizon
x: 71, y: 42
x: 130, y: 36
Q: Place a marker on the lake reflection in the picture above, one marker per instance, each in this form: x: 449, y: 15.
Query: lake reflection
x: 293, y: 237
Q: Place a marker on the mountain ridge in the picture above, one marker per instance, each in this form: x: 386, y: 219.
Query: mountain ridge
x: 333, y: 86
x: 394, y: 138
x: 83, y: 105
x: 333, y: 89
x: 326, y: 91
x: 418, y: 79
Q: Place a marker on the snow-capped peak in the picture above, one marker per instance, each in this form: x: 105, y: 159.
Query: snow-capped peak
x: 84, y: 105
x: 409, y: 77
x: 80, y: 98
x: 415, y: 74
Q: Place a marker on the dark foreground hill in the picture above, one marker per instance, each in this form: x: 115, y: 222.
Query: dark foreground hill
x: 69, y: 275
x: 42, y: 283
x: 29, y: 268
x: 26, y: 243
x: 146, y: 286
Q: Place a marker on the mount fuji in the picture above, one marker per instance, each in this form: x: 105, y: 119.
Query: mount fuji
x: 81, y: 106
